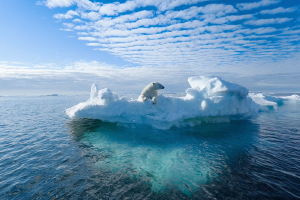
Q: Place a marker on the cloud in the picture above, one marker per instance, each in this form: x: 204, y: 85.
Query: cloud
x: 231, y: 18
x: 278, y: 10
x: 218, y: 9
x: 263, y: 30
x: 162, y: 5
x: 146, y: 38
x: 115, y: 8
x: 91, y: 39
x: 212, y: 10
x: 69, y: 15
x: 110, y: 22
x: 260, y: 22
x: 198, y: 37
x: 80, y: 75
x: 59, y: 3
x: 249, y: 6
x: 90, y: 15
x: 293, y: 33
x: 68, y: 25
x: 77, y: 21
x: 111, y: 9
x: 77, y: 77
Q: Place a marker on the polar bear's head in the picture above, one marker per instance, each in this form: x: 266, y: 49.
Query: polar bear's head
x: 157, y: 85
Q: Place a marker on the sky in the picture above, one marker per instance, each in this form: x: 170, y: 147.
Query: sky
x: 64, y: 46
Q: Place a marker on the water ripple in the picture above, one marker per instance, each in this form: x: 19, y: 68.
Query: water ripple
x: 45, y: 155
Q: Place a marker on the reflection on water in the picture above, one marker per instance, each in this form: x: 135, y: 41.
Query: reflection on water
x: 182, y: 159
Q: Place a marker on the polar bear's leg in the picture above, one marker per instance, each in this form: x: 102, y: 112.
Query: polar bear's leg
x: 154, y: 100
x: 142, y: 98
x: 154, y: 97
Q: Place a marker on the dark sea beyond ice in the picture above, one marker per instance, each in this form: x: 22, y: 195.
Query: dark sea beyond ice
x: 46, y: 155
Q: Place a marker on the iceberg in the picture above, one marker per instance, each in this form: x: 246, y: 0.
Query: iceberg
x: 266, y: 101
x: 210, y: 99
x: 292, y: 97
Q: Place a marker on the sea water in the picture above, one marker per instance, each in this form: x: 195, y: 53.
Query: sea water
x: 44, y: 154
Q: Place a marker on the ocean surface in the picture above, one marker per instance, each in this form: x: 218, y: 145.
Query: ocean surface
x: 46, y: 155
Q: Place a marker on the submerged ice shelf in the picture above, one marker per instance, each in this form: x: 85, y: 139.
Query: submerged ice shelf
x: 210, y: 99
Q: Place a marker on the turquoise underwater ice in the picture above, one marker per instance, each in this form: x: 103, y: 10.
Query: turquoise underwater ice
x: 177, y: 158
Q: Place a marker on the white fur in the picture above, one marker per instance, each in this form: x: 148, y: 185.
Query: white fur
x: 150, y: 92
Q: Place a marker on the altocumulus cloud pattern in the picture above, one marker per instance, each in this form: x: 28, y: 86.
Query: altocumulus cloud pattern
x: 185, y: 32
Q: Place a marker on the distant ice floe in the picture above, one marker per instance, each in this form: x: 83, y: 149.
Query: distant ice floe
x: 266, y: 101
x: 292, y: 97
x: 210, y: 99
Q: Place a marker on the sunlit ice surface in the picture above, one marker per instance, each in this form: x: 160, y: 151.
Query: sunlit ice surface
x: 210, y: 99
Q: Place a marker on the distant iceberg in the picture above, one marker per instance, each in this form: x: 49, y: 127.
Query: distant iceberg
x: 52, y: 95
x: 292, y: 97
x: 266, y: 101
x: 210, y: 99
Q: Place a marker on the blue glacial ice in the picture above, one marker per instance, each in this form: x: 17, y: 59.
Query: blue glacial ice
x: 210, y: 99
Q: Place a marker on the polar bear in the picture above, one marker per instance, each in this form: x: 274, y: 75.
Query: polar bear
x: 150, y: 92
